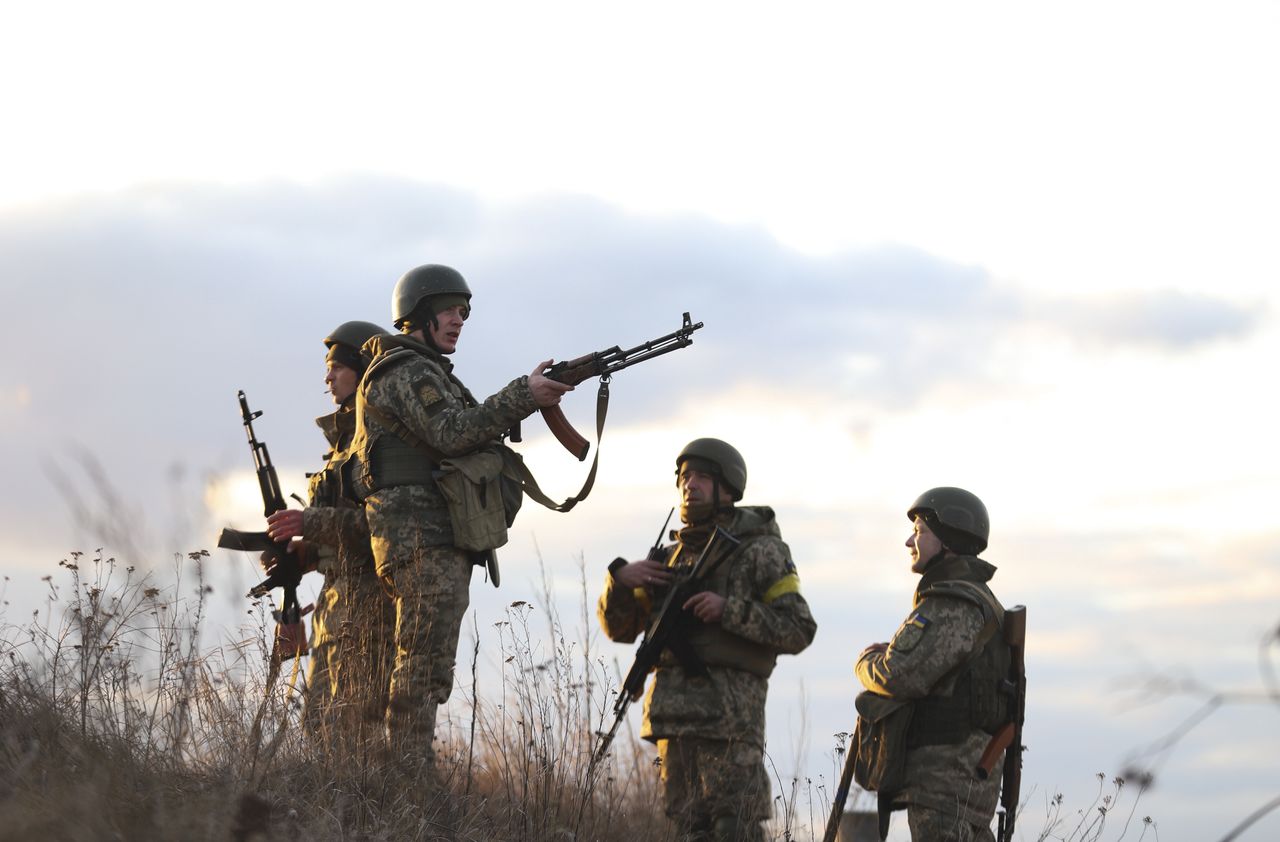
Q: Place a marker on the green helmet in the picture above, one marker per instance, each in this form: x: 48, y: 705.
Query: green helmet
x: 422, y: 283
x: 353, y: 334
x: 723, y: 460
x: 956, y: 516
x: 345, y: 341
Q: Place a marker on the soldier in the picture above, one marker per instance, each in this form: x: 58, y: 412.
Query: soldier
x: 413, y: 413
x: 709, y: 728
x: 946, y: 663
x: 354, y: 620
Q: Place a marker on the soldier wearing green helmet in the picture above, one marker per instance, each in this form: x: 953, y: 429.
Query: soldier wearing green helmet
x: 415, y: 422
x: 941, y: 675
x: 351, y: 629
x: 708, y: 723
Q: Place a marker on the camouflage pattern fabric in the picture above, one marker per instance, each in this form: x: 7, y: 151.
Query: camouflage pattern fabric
x: 430, y: 586
x: 411, y: 535
x: 412, y: 385
x: 352, y: 634
x: 937, y: 637
x: 705, y: 781
x: 763, y: 609
x: 933, y: 825
x: 354, y: 620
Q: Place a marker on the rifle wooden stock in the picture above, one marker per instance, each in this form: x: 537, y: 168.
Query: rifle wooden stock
x: 842, y: 793
x: 564, y: 432
x: 574, y: 372
x: 1000, y: 741
x: 291, y: 640
x: 1015, y: 634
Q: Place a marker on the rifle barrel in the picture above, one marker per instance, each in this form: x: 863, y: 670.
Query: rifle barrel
x: 615, y: 360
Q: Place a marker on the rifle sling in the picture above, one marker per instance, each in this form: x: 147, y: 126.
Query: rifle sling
x: 528, y: 483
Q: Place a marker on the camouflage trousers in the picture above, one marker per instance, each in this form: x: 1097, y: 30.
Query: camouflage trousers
x: 430, y: 587
x: 351, y: 652
x: 931, y: 825
x: 714, y: 789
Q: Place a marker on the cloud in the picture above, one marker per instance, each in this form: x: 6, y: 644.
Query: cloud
x: 144, y: 311
x: 1163, y: 319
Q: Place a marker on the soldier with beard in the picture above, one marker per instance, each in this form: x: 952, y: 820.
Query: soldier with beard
x: 354, y: 619
x: 941, y: 677
x: 708, y: 717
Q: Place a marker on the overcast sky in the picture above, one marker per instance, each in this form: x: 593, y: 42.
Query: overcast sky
x: 1023, y: 250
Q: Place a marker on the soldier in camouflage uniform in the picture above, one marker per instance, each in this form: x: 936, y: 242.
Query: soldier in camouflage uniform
x: 353, y: 623
x: 710, y: 729
x: 412, y: 412
x: 947, y: 661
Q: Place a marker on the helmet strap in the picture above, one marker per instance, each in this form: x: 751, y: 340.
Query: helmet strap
x: 696, y: 513
x: 423, y: 318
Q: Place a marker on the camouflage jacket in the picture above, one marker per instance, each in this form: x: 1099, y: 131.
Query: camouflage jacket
x: 764, y: 616
x: 409, y: 389
x: 924, y: 659
x: 332, y: 523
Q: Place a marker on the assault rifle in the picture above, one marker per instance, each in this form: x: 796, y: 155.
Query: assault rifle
x: 603, y: 364
x: 1008, y: 739
x: 669, y: 630
x: 284, y: 569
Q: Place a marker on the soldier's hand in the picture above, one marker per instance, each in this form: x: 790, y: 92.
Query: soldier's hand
x: 875, y: 647
x: 301, y: 549
x: 284, y: 524
x: 643, y: 574
x: 546, y: 392
x: 706, y: 606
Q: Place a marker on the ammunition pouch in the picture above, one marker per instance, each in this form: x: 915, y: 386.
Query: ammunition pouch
x: 716, y: 647
x: 481, y: 489
x: 472, y: 488
x: 880, y: 743
x: 393, y: 462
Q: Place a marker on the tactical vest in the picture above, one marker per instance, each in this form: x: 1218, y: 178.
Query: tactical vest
x: 717, y: 647
x: 324, y: 487
x: 384, y: 461
x: 977, y: 699
x: 481, y: 497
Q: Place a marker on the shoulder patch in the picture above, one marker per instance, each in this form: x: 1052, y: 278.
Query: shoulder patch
x: 428, y: 394
x: 910, y: 632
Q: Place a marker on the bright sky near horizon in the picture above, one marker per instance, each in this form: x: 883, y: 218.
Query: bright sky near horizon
x: 1046, y: 231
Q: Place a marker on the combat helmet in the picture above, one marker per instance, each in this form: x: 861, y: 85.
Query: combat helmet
x: 424, y: 282
x: 956, y: 516
x: 345, y: 340
x: 720, y: 459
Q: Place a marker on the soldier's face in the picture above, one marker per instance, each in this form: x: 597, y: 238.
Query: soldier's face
x: 448, y: 327
x: 923, y: 544
x: 697, y: 487
x: 341, y: 381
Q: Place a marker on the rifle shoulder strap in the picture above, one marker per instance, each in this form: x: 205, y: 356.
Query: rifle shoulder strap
x: 515, y: 467
x: 530, y: 484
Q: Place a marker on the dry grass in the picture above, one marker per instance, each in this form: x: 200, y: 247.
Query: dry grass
x: 117, y: 723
